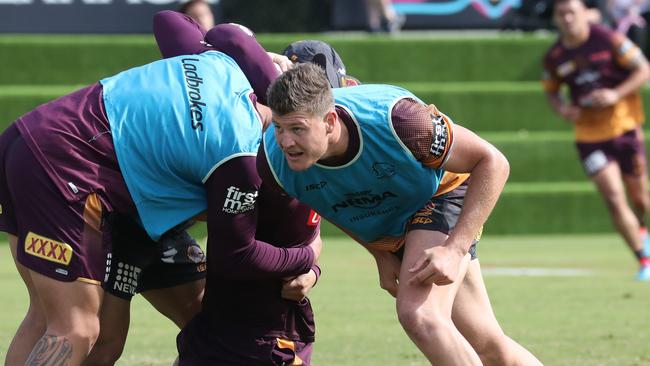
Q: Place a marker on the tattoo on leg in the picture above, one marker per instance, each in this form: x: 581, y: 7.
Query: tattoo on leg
x: 50, y: 350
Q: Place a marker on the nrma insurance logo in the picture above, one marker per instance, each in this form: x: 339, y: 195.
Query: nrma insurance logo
x: 492, y: 9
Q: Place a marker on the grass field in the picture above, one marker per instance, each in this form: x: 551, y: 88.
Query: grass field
x: 588, y: 311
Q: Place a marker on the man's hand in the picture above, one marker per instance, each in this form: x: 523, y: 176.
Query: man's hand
x: 388, y: 266
x: 570, y: 113
x: 282, y: 63
x: 297, y: 288
x: 438, y: 265
x: 602, y: 98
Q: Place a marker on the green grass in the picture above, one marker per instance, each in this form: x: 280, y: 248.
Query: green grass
x: 600, y: 319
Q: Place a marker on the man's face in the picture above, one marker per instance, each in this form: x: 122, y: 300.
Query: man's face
x: 570, y: 17
x: 302, y: 137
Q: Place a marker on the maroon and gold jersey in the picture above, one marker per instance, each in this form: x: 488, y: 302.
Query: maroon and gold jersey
x: 603, y: 61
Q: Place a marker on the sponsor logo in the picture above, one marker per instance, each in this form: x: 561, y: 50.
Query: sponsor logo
x: 566, y: 68
x: 238, y: 201
x: 601, y: 56
x: 421, y: 220
x: 383, y: 170
x: 315, y: 186
x: 595, y: 162
x: 201, y: 267
x: 109, y: 260
x: 193, y: 82
x: 195, y: 254
x: 0, y: 209
x: 314, y: 218
x: 126, y: 280
x: 588, y: 77
x: 364, y: 199
x: 440, y: 136
x: 48, y: 249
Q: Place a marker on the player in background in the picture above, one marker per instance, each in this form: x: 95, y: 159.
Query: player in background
x: 371, y: 160
x: 604, y: 72
x: 55, y: 214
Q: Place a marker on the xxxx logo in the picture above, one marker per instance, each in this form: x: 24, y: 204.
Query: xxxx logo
x: 48, y: 249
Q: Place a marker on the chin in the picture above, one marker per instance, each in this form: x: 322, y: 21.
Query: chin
x: 298, y: 167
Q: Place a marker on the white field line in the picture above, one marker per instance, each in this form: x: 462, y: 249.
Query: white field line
x: 536, y: 272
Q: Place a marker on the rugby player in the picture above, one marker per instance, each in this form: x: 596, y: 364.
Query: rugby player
x: 371, y: 159
x: 182, y: 302
x: 161, y: 143
x: 604, y: 72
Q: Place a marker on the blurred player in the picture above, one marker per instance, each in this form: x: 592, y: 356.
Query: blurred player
x: 200, y: 11
x: 370, y: 160
x: 154, y: 142
x: 604, y: 72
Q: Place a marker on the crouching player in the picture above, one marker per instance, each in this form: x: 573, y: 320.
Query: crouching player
x: 169, y: 273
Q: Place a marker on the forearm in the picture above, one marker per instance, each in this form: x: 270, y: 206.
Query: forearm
x: 635, y: 81
x: 487, y: 181
x: 556, y: 102
x: 258, y: 260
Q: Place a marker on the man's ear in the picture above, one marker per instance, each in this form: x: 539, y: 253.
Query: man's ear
x: 331, y: 119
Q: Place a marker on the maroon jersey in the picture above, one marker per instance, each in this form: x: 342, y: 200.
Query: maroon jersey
x: 603, y: 61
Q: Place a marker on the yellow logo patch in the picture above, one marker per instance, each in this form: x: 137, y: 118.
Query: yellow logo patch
x: 421, y: 220
x: 0, y: 209
x: 48, y: 249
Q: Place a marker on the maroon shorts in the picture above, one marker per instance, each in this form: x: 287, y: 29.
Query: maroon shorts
x: 198, y: 345
x: 627, y: 150
x: 61, y: 240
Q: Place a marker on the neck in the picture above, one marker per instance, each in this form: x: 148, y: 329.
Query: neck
x: 338, y: 141
x: 265, y: 114
x: 576, y: 40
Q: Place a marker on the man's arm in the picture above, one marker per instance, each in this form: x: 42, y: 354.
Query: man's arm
x: 177, y: 34
x: 489, y: 171
x: 232, y: 213
x: 630, y: 57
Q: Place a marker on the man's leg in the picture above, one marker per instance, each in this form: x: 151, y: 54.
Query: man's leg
x: 72, y: 313
x: 33, y: 326
x: 474, y: 318
x: 114, y: 326
x: 179, y: 303
x: 425, y: 310
x: 610, y: 185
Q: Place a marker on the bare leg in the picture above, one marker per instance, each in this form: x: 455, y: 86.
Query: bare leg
x: 72, y: 313
x: 610, y: 185
x: 179, y: 303
x: 473, y: 315
x: 425, y: 310
x: 33, y: 326
x: 114, y: 327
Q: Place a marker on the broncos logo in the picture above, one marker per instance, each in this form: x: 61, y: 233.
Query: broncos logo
x: 383, y: 170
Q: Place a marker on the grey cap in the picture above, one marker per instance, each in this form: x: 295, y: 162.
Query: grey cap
x: 323, y: 55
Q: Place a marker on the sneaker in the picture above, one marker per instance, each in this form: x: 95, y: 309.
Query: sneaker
x: 396, y: 24
x: 644, y: 273
x: 644, y: 269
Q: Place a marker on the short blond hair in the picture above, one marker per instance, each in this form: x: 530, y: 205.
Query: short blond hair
x: 304, y: 88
